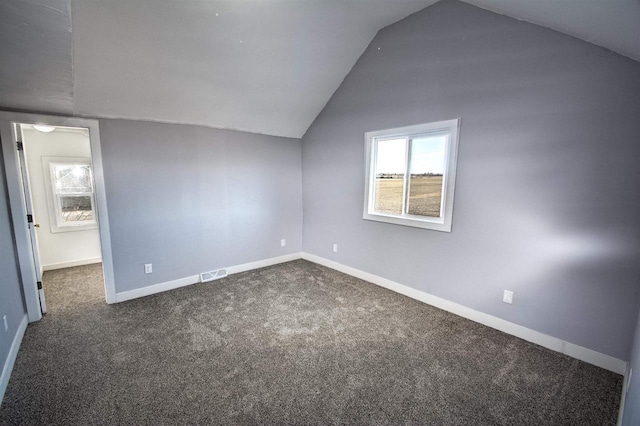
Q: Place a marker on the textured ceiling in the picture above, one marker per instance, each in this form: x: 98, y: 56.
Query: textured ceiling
x: 265, y: 66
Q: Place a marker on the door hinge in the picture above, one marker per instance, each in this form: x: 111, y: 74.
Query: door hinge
x: 39, y: 285
x: 20, y: 146
x: 29, y: 218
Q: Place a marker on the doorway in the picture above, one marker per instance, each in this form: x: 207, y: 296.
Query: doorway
x: 57, y: 199
x: 57, y: 176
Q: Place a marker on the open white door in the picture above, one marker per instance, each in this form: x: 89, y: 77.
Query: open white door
x: 24, y: 232
x: 28, y: 202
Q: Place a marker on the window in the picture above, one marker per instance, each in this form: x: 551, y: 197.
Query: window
x: 410, y: 175
x: 71, y: 194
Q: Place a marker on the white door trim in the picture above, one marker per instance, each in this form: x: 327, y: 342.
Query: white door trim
x: 18, y: 213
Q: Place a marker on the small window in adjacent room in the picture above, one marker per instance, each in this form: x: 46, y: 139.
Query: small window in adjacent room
x: 410, y: 175
x: 71, y: 194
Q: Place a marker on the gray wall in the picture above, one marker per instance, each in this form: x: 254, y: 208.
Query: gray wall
x: 191, y: 199
x: 631, y: 415
x: 546, y: 195
x: 11, y: 301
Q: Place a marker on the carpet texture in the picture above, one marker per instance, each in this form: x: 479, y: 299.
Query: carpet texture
x: 295, y: 343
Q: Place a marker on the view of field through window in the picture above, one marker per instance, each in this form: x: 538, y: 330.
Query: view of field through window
x: 76, y: 208
x: 425, y: 171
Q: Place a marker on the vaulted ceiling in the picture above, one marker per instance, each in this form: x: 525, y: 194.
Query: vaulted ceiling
x: 264, y: 66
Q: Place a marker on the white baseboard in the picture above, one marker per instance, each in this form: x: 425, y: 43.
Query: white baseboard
x: 11, y: 357
x: 263, y: 263
x: 584, y: 354
x: 194, y: 279
x: 70, y: 264
x: 587, y: 355
x: 156, y: 288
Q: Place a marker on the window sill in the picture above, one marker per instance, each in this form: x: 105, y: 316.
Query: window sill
x: 434, y: 224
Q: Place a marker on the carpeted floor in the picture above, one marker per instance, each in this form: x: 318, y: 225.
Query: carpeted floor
x: 296, y: 343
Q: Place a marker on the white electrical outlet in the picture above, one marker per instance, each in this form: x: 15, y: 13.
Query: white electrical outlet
x: 507, y: 297
x: 335, y: 248
x: 283, y: 242
x: 6, y: 324
x: 148, y: 268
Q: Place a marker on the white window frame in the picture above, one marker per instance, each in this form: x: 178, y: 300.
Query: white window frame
x: 57, y: 224
x: 450, y: 128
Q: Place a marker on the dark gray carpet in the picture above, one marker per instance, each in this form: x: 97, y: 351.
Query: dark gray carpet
x: 291, y: 344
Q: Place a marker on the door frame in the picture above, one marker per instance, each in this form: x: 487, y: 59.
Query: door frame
x: 33, y: 234
x: 18, y: 210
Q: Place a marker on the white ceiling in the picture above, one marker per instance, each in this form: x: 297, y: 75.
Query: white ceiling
x: 265, y: 66
x: 35, y: 55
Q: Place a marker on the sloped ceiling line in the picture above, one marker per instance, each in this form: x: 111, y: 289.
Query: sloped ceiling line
x: 263, y: 66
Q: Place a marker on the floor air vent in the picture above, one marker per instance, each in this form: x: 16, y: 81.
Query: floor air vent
x: 213, y: 275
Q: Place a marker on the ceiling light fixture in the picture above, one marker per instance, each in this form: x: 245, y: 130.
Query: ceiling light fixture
x: 44, y: 128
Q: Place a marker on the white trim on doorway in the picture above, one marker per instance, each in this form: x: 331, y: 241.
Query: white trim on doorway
x: 18, y: 212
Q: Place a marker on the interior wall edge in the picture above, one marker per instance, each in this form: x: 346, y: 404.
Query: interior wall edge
x: 13, y: 354
x: 78, y: 114
x: 183, y: 123
x: 623, y: 397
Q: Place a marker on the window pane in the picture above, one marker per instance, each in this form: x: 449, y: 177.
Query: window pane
x: 72, y: 178
x: 426, y: 172
x: 390, y: 169
x: 76, y: 209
